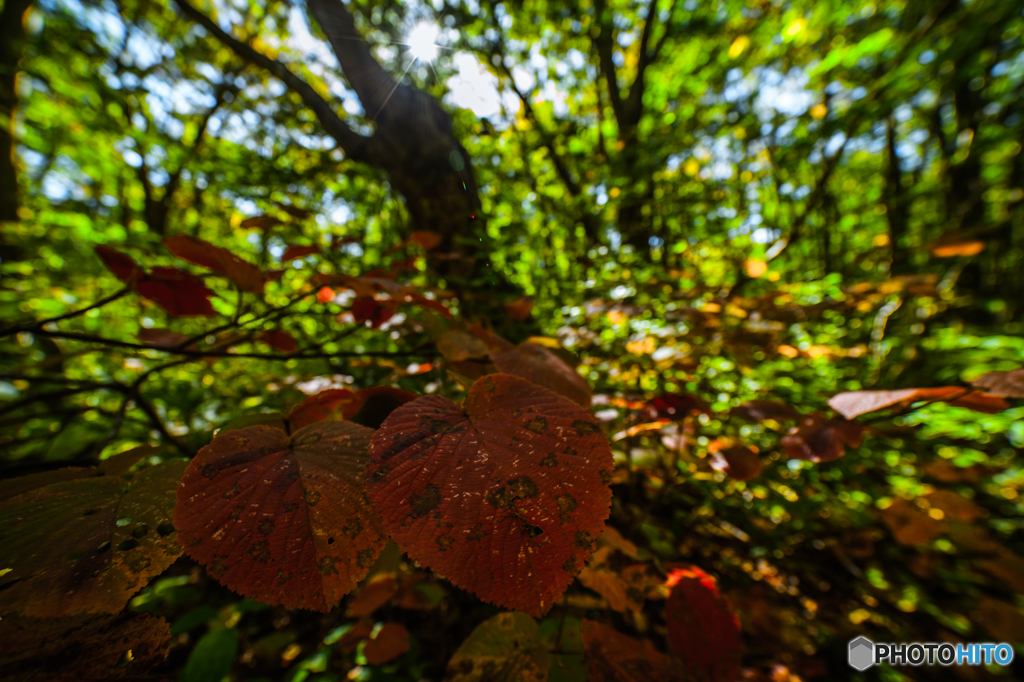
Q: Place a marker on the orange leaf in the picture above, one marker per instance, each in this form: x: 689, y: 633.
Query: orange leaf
x: 958, y: 248
x: 533, y: 470
x: 374, y: 595
x: 244, y: 274
x: 176, y: 291
x: 282, y: 519
x: 610, y: 586
x: 124, y: 267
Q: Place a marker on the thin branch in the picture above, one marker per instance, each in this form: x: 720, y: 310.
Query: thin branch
x: 67, y: 316
x: 355, y: 146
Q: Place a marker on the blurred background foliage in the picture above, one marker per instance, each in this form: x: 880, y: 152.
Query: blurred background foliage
x: 734, y: 200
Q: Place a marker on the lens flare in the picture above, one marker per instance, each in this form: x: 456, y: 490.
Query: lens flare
x: 422, y: 41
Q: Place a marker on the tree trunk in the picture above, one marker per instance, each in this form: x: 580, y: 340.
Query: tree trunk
x: 12, y: 34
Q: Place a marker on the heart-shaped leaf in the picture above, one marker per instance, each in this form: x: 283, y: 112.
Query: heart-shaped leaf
x: 85, y: 540
x: 176, y: 291
x: 504, y: 496
x: 244, y: 274
x: 123, y: 266
x: 282, y: 519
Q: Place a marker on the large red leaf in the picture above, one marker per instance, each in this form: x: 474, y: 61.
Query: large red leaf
x: 299, y: 251
x: 702, y: 630
x: 176, y: 291
x: 243, y: 273
x: 614, y: 657
x: 855, y: 403
x: 85, y: 540
x: 282, y: 519
x: 544, y: 368
x: 504, y: 496
x: 124, y: 267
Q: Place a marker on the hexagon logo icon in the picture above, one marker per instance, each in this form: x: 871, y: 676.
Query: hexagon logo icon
x: 862, y: 653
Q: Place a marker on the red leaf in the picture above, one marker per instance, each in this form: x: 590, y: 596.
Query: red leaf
x: 673, y: 406
x: 176, y: 291
x: 294, y: 252
x: 855, y: 403
x: 505, y: 496
x: 164, y: 338
x: 282, y: 519
x: 391, y: 642
x: 738, y: 462
x: 613, y: 657
x: 280, y: 340
x: 1004, y: 384
x: 426, y: 239
x: 319, y: 407
x: 544, y: 368
x: 759, y: 410
x: 124, y: 267
x: 702, y: 630
x: 367, y: 308
x: 243, y: 273
x: 819, y: 441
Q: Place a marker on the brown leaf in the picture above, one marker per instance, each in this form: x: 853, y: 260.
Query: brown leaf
x: 613, y: 538
x: 759, y: 410
x: 542, y: 367
x: 391, y: 642
x: 260, y: 222
x: 611, y: 656
x: 374, y: 595
x: 1004, y: 384
x: 817, y: 440
x: 294, y: 252
x: 279, y: 340
x: 245, y: 275
x: 76, y: 648
x: 425, y: 239
x: 954, y: 505
x: 164, y: 338
x: 609, y: 585
x: 520, y: 308
x: 738, y: 462
x: 909, y: 525
x: 855, y: 403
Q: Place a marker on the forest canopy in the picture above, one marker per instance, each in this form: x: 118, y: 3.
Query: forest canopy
x: 620, y: 340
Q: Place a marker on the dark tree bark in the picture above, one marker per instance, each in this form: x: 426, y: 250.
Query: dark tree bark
x: 12, y: 35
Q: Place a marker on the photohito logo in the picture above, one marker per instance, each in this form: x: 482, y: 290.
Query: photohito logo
x: 864, y: 653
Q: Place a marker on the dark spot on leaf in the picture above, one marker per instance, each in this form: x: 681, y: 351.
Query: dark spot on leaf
x: 208, y: 470
x: 380, y: 474
x: 236, y: 512
x: 606, y: 476
x: 426, y: 501
x: 283, y: 577
x: 165, y: 529
x: 584, y: 541
x: 326, y: 565
x: 217, y: 566
x: 312, y: 497
x: 516, y: 413
x: 232, y: 491
x: 498, y: 498
x: 140, y: 531
x: 549, y: 461
x: 129, y: 544
x: 352, y: 527
x: 522, y: 487
x: 307, y: 439
x: 437, y: 425
x: 529, y: 530
x: 364, y: 558
x: 260, y: 552
x: 584, y: 428
x: 289, y: 507
x: 330, y: 541
x: 196, y: 542
x: 266, y: 526
x: 566, y: 504
x: 572, y: 452
x: 477, y: 533
x: 444, y: 542
x: 489, y: 385
x: 537, y: 425
x: 570, y: 566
